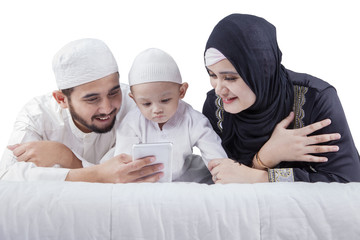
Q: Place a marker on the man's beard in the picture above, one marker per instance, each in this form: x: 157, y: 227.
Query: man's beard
x: 92, y: 127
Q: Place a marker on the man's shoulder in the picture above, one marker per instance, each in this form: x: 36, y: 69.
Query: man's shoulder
x: 40, y: 104
x: 40, y: 109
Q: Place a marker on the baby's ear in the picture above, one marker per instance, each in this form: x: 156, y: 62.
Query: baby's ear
x: 183, y: 89
x: 132, y: 96
x: 60, y: 98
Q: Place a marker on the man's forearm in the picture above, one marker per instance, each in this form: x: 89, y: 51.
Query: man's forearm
x: 88, y: 174
x: 75, y: 163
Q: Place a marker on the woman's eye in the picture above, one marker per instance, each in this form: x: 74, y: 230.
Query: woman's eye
x: 212, y: 75
x: 230, y: 78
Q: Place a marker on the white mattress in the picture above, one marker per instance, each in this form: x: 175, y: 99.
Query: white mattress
x: 53, y: 210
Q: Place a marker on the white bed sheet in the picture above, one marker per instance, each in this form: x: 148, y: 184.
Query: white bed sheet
x: 63, y: 210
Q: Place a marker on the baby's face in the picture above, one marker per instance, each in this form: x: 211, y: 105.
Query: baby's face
x: 157, y: 101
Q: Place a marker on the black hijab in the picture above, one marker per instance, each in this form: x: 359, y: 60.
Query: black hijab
x: 250, y: 44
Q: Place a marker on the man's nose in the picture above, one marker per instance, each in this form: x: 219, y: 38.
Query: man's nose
x: 106, y: 106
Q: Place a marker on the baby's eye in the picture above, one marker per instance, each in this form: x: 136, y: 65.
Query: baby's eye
x: 165, y: 100
x: 146, y: 104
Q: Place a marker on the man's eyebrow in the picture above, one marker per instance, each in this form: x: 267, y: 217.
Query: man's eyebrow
x: 115, y: 88
x: 90, y: 95
x: 97, y: 94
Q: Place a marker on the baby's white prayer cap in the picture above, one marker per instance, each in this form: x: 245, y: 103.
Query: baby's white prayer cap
x: 154, y: 65
x: 82, y: 61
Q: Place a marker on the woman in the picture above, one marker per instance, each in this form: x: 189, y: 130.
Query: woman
x: 253, y: 92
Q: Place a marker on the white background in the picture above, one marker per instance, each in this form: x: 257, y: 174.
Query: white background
x: 321, y: 38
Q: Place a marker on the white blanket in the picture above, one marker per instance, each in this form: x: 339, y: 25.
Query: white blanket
x: 53, y: 210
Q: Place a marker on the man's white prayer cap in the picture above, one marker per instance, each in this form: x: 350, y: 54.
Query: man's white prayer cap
x: 82, y: 61
x: 154, y: 65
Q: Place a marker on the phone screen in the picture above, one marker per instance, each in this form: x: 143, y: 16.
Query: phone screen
x: 163, y: 154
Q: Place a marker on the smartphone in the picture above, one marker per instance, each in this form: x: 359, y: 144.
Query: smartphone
x: 163, y: 153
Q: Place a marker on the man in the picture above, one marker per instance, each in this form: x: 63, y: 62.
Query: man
x: 81, y: 117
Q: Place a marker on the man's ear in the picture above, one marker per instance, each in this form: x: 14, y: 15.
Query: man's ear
x: 60, y: 98
x: 183, y: 89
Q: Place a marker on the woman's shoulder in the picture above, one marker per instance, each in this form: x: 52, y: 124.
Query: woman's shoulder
x: 308, y: 81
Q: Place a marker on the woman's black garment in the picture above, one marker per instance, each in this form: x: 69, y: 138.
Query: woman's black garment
x: 250, y: 44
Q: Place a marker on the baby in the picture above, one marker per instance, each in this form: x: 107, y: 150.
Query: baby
x: 161, y: 116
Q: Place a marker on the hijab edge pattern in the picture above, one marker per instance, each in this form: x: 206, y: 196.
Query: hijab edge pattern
x: 299, y: 101
x: 219, y: 112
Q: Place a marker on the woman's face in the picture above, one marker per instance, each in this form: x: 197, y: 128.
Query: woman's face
x: 235, y: 93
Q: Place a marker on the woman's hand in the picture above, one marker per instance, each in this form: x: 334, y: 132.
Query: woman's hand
x: 295, y: 145
x: 228, y: 171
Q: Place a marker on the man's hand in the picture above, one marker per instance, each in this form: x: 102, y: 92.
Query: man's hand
x: 119, y: 169
x: 45, y: 154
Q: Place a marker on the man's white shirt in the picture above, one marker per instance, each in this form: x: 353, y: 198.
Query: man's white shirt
x: 42, y: 119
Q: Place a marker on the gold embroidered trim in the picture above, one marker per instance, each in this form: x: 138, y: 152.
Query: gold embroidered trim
x: 219, y: 112
x: 281, y: 175
x: 299, y: 101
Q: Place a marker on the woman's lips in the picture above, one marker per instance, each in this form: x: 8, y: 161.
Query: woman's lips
x: 228, y: 100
